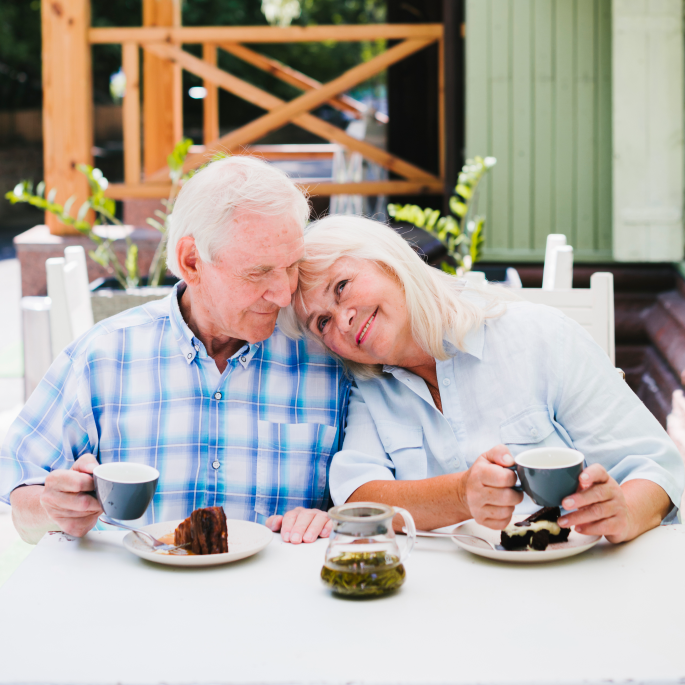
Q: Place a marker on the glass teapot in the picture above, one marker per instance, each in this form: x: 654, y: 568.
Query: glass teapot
x: 363, y: 558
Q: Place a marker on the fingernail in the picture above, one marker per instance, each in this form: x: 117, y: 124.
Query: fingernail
x: 584, y: 476
x: 285, y: 537
x: 569, y: 503
x: 562, y: 522
x: 309, y: 537
x: 295, y: 537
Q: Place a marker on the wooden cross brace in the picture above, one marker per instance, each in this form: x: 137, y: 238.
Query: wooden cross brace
x: 296, y: 111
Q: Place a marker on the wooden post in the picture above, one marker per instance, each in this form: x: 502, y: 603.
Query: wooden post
x: 131, y: 114
x: 67, y: 101
x: 211, y: 101
x: 161, y: 90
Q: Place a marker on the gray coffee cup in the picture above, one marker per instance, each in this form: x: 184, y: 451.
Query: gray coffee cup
x: 548, y: 474
x: 125, y: 490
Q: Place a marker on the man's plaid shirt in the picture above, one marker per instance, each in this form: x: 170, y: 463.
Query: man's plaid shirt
x: 139, y: 387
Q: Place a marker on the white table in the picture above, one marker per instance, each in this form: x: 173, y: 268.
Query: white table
x: 89, y: 612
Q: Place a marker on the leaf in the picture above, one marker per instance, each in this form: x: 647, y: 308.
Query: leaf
x: 477, y: 240
x: 458, y: 208
x: 68, y: 204
x: 432, y: 219
x: 392, y: 209
x: 83, y: 210
x: 131, y: 264
x: 464, y: 191
x: 155, y: 224
x: 448, y: 268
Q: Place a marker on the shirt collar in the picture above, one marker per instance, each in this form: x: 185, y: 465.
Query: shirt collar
x: 191, y: 346
x: 473, y: 344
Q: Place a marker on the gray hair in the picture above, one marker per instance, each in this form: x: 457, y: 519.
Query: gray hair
x: 439, y: 305
x: 208, y: 201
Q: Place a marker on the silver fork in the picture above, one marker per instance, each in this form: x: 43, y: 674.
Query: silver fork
x: 157, y: 545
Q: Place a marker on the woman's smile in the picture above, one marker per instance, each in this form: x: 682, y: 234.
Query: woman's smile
x: 363, y: 332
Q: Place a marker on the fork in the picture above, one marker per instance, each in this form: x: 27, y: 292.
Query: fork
x: 431, y: 534
x: 157, y: 545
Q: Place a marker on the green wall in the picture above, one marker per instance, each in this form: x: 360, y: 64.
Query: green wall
x: 538, y: 97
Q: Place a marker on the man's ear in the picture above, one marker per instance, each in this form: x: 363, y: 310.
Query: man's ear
x: 189, y: 260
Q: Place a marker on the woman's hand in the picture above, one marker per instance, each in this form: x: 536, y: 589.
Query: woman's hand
x: 601, y: 507
x: 489, y: 494
x: 301, y: 525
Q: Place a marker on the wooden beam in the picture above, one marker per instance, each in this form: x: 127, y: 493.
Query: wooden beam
x: 287, y: 112
x: 266, y: 34
x: 313, y: 187
x: 67, y: 102
x: 131, y: 114
x: 267, y: 101
x: 210, y: 105
x: 159, y: 79
x: 343, y: 102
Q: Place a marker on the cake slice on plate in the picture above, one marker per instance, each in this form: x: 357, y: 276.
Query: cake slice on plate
x: 536, y: 532
x: 205, y: 531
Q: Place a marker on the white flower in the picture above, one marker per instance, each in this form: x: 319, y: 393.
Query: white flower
x: 490, y: 162
x: 281, y: 12
x: 97, y: 174
x: 19, y: 189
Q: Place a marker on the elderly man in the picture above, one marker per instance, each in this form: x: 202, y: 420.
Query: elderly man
x: 201, y: 385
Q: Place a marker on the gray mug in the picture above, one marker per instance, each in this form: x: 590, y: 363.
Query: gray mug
x: 548, y: 474
x: 125, y: 490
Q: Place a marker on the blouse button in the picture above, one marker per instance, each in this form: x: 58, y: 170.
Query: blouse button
x: 446, y: 381
x: 215, y: 465
x: 217, y: 395
x: 243, y: 359
x: 190, y: 355
x: 534, y: 432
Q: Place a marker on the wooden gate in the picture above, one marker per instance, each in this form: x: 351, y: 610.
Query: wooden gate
x: 68, y: 38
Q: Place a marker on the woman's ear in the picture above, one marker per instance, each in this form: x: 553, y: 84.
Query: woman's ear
x: 189, y: 261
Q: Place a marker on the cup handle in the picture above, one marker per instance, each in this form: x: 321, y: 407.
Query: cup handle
x: 518, y: 487
x: 410, y: 531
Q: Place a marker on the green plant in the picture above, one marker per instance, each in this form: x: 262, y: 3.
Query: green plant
x: 463, y: 236
x: 127, y: 274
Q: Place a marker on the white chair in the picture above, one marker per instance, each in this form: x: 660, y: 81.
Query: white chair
x: 592, y: 308
x: 558, y: 268
x: 71, y: 313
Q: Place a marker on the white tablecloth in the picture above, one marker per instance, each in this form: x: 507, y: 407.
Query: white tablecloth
x: 89, y: 612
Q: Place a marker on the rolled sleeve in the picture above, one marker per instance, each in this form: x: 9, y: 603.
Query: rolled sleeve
x: 363, y: 457
x: 51, y: 431
x: 608, y: 423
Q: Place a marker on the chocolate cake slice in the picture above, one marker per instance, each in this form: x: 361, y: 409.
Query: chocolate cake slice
x: 205, y: 530
x: 537, y: 531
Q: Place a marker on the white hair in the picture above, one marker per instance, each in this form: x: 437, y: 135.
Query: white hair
x: 437, y: 308
x: 208, y: 201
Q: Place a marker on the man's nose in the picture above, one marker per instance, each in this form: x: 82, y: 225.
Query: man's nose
x: 280, y: 290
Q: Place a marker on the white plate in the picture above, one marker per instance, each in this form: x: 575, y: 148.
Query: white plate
x: 576, y: 544
x: 244, y: 540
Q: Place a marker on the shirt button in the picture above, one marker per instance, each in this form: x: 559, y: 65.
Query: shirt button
x: 446, y: 381
x: 217, y: 395
x: 190, y: 356
x: 197, y: 347
x: 534, y: 432
x: 215, y: 465
x: 243, y: 359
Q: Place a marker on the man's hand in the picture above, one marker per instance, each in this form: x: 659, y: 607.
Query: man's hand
x: 601, y: 507
x: 66, y: 497
x: 301, y: 525
x: 489, y: 493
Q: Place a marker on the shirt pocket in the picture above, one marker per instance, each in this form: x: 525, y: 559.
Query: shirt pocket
x: 292, y: 466
x: 404, y: 446
x: 530, y: 428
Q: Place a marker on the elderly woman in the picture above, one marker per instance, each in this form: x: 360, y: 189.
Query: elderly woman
x: 450, y: 382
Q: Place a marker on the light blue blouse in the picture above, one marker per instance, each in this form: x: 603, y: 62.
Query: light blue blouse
x: 530, y: 378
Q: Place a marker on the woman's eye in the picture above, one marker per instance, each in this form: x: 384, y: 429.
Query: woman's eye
x: 340, y: 286
x: 321, y: 324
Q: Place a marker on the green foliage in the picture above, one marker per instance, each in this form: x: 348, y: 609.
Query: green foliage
x: 103, y: 208
x: 463, y: 237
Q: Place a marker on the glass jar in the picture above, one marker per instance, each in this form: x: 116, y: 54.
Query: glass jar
x: 363, y: 558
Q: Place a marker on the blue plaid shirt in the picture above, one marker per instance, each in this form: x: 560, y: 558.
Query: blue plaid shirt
x: 140, y: 387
